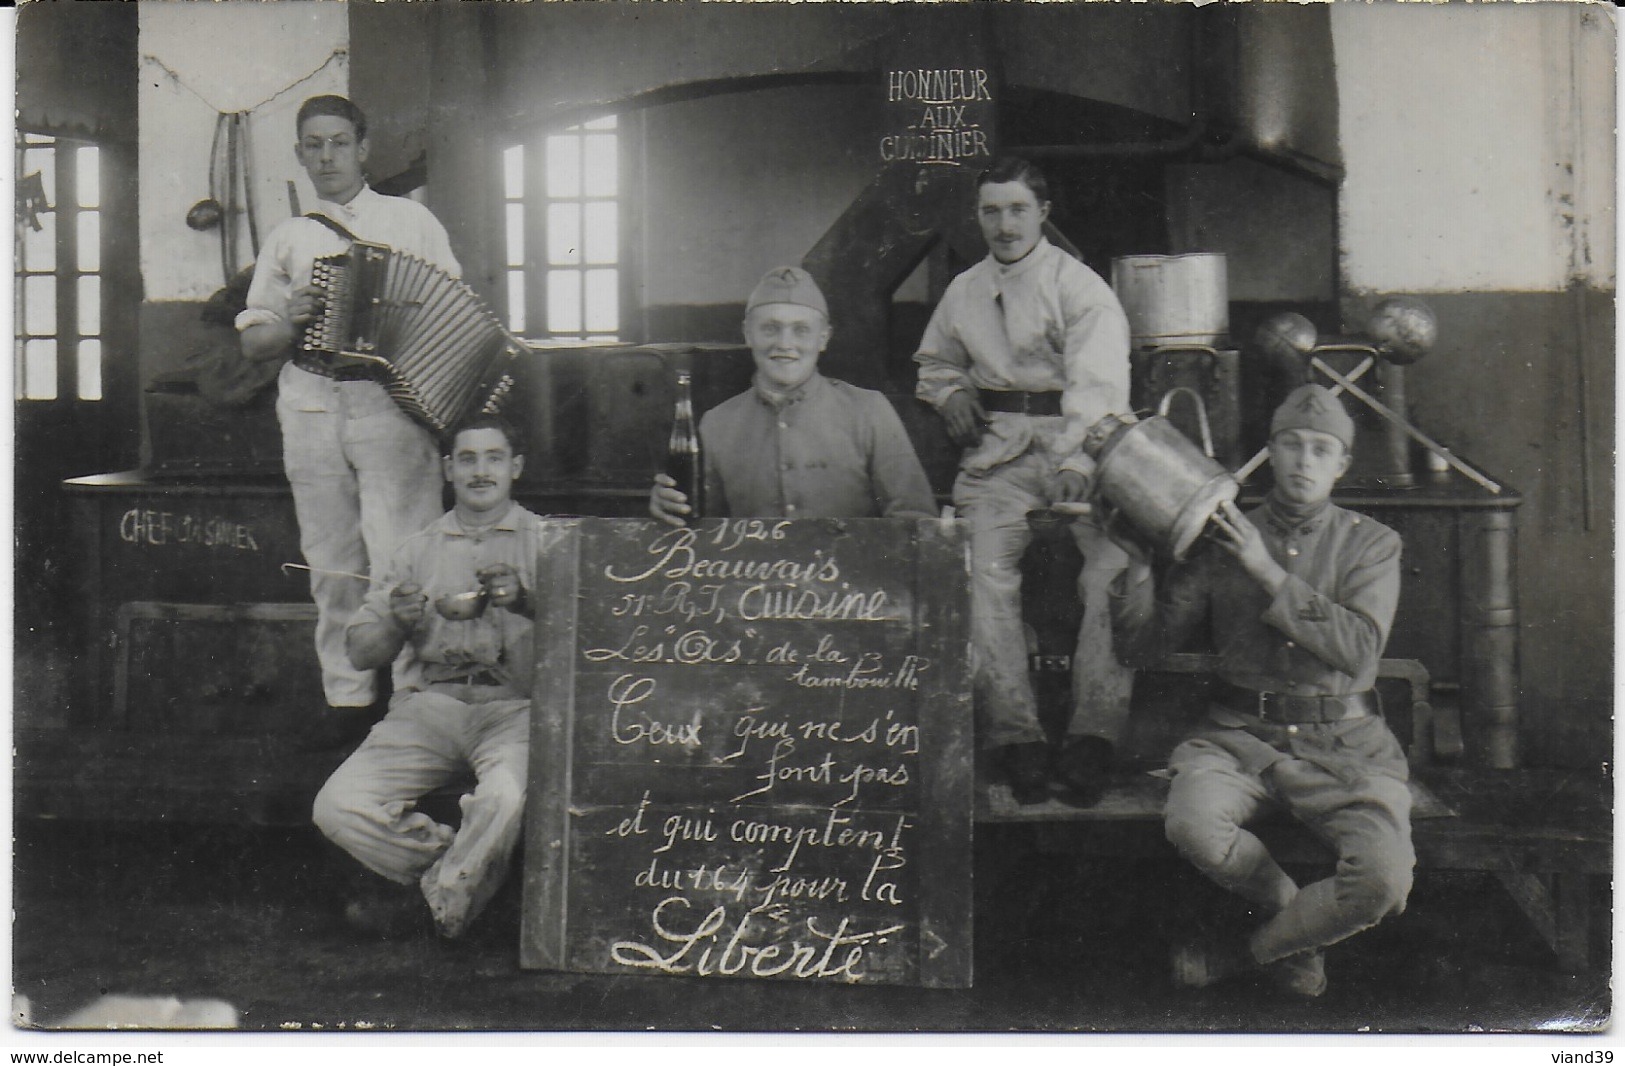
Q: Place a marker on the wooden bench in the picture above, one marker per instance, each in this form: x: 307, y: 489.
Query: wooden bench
x: 1541, y: 833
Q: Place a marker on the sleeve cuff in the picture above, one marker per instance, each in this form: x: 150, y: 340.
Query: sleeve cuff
x: 1293, y: 594
x: 936, y: 394
x: 254, y: 316
x: 1078, y: 463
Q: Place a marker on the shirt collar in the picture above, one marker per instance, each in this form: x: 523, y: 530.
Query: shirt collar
x: 1021, y: 266
x: 451, y: 526
x: 1286, y: 518
x: 357, y: 204
x: 778, y: 403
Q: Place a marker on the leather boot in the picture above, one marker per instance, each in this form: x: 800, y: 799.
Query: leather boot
x: 1302, y: 975
x: 1083, y: 766
x: 1202, y: 963
x: 1026, y: 767
x: 392, y: 912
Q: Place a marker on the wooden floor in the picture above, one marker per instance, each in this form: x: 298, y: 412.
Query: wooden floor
x: 1066, y: 943
x: 176, y: 779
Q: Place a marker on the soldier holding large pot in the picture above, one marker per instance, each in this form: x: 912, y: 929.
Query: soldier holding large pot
x: 1298, y: 601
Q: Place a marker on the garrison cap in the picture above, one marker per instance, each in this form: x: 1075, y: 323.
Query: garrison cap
x: 787, y: 285
x: 1314, y: 407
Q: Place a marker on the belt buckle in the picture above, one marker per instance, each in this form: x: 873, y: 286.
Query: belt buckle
x: 1026, y: 402
x: 1264, y: 708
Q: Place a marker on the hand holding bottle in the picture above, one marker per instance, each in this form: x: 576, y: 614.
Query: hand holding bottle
x: 667, y: 502
x: 679, y: 493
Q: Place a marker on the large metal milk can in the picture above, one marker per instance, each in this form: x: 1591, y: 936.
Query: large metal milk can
x: 1158, y: 479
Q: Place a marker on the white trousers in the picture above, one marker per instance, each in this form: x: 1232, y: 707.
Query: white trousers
x: 995, y: 504
x: 426, y: 740
x: 364, y: 477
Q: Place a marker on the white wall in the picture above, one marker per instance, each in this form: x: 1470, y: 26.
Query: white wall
x: 1478, y: 143
x: 197, y: 61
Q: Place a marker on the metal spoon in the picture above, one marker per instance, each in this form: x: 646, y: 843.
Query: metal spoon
x: 331, y: 573
x: 463, y: 606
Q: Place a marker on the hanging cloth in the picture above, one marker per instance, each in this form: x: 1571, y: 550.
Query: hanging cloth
x: 217, y: 162
x: 248, y: 183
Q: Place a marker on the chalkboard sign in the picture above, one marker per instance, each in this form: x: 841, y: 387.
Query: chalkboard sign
x: 751, y: 751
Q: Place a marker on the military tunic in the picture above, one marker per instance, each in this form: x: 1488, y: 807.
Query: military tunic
x: 1321, y: 634
x: 830, y: 450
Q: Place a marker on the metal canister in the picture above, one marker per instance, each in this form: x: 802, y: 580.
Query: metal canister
x: 1174, y: 299
x: 1158, y: 479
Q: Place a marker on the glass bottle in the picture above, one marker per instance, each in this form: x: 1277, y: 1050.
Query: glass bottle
x: 685, y: 462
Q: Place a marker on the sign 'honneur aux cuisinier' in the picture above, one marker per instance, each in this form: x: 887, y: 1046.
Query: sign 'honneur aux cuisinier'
x: 751, y: 752
x: 938, y: 115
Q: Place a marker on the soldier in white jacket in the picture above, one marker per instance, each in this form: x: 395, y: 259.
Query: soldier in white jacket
x: 1026, y: 351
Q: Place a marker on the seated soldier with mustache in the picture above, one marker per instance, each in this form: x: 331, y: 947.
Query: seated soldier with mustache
x: 462, y: 705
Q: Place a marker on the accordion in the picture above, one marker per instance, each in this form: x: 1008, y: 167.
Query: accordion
x: 443, y: 354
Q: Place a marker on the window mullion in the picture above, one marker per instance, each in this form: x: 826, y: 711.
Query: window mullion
x: 536, y: 236
x: 581, y: 237
x: 549, y: 190
x: 67, y: 273
x: 19, y: 302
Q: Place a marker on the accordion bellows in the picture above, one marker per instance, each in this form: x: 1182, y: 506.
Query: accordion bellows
x: 444, y: 354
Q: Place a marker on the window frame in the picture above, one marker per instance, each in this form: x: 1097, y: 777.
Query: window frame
x: 536, y: 265
x: 66, y: 272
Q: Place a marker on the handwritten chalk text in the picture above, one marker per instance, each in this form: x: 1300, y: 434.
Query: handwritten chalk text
x: 824, y: 954
x: 158, y: 528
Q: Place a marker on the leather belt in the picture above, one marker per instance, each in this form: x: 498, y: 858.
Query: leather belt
x: 1286, y: 709
x: 1009, y: 401
x: 486, y: 678
x: 317, y: 364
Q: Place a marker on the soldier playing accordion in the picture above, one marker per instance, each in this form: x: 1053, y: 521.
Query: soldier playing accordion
x: 364, y: 474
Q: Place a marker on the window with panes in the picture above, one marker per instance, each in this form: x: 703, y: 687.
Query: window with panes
x: 561, y: 198
x: 58, y: 285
